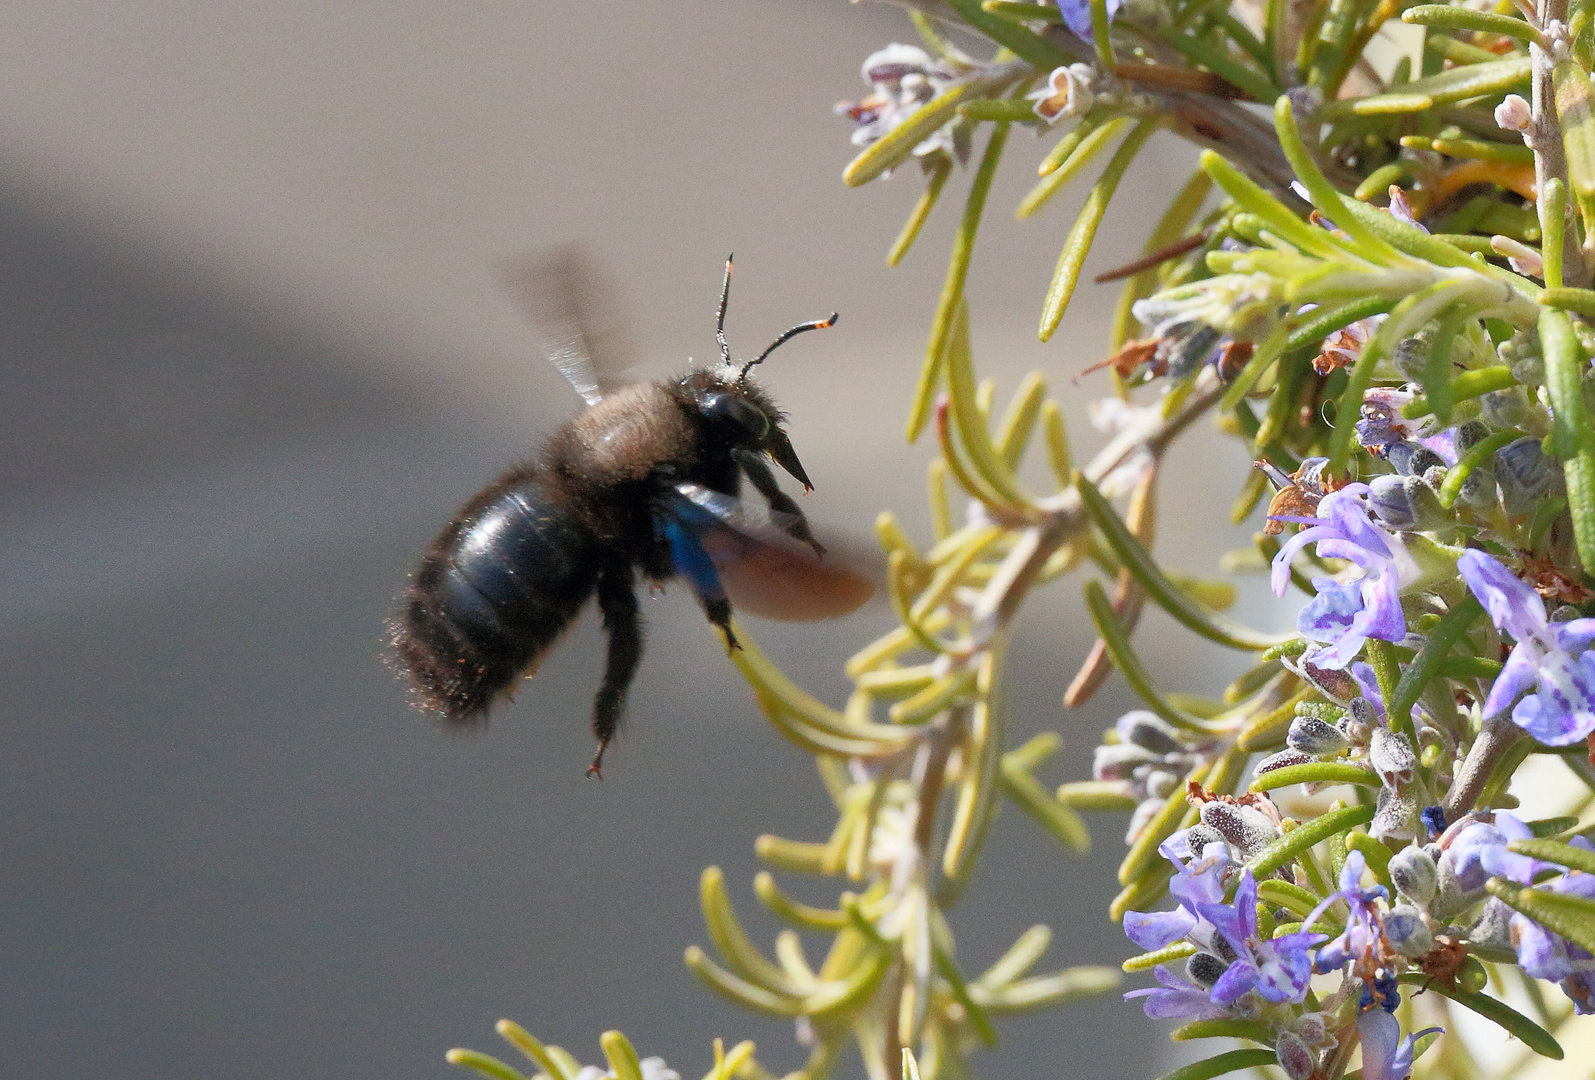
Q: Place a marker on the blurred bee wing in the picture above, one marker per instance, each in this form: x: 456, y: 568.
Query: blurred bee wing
x: 777, y: 579
x: 574, y: 315
x: 767, y: 573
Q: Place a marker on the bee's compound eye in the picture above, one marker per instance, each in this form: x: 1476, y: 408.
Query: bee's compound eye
x: 723, y: 406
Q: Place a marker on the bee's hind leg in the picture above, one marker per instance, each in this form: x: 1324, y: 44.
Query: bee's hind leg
x: 719, y: 612
x: 617, y: 602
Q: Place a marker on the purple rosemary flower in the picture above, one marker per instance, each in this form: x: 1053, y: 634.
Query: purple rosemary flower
x: 901, y: 79
x: 1362, y: 933
x: 1277, y: 968
x: 1479, y: 851
x: 1070, y: 92
x: 1343, y: 616
x: 1545, y: 955
x: 1077, y: 15
x: 1491, y: 855
x: 1197, y: 882
x: 1385, y: 1054
x: 1178, y: 998
x: 1234, y: 958
x: 1552, y: 658
x: 1382, y: 423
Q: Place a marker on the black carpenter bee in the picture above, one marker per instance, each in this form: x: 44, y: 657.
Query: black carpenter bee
x: 645, y: 480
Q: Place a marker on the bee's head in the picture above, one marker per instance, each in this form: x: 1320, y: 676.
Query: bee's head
x: 742, y: 414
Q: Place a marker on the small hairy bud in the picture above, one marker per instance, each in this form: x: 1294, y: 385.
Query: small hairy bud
x: 1295, y: 1056
x: 1310, y: 735
x: 1405, y: 503
x: 1187, y: 354
x: 1282, y: 759
x: 1514, y: 114
x: 1198, y: 836
x: 1395, y: 816
x: 1408, y: 934
x: 1145, y: 811
x: 1478, y: 490
x: 1148, y: 730
x: 1470, y: 435
x: 1313, y: 1029
x: 1336, y: 685
x: 1502, y: 409
x: 1494, y: 928
x: 1521, y: 352
x: 1525, y: 475
x: 1411, y: 357
x: 1364, y: 714
x: 1412, y: 458
x: 1118, y: 762
x: 1246, y: 829
x: 1205, y: 968
x: 1413, y: 873
x: 1160, y: 783
x: 1392, y: 757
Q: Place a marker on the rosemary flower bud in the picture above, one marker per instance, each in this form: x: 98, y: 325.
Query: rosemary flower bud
x: 1524, y: 474
x: 1198, y: 836
x: 1282, y: 759
x: 1118, y: 761
x: 1246, y: 829
x: 1503, y: 409
x: 1514, y: 114
x: 1411, y: 357
x: 1295, y: 1056
x: 1205, y: 968
x: 1406, y: 931
x: 1413, y: 873
x: 1405, y: 503
x: 1148, y: 730
x: 1494, y: 928
x: 1310, y: 735
x: 1412, y: 458
x: 1469, y: 435
x: 1395, y: 816
x: 1478, y: 490
x: 1360, y: 720
x: 1160, y: 783
x: 1313, y: 1029
x: 1392, y: 757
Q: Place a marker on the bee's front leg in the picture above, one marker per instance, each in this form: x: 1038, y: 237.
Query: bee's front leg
x: 784, y: 512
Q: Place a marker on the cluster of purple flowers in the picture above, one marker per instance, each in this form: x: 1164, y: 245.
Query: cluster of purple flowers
x: 1238, y: 972
x: 1480, y: 850
x: 1552, y: 658
x: 1344, y: 615
x: 1233, y: 960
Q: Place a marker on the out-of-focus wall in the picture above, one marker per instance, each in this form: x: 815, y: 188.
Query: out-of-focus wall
x: 255, y: 355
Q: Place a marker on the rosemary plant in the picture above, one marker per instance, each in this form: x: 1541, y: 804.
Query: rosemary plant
x: 1379, y: 280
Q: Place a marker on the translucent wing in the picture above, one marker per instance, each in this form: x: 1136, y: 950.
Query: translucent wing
x: 573, y: 312
x: 767, y: 573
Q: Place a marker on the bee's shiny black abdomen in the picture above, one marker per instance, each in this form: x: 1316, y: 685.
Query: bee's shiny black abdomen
x: 493, y: 593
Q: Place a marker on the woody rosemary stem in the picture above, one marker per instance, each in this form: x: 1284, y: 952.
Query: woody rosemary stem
x: 1495, y: 738
x: 1550, y: 155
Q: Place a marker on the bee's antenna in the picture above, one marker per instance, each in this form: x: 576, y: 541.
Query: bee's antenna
x: 817, y: 324
x: 720, y: 323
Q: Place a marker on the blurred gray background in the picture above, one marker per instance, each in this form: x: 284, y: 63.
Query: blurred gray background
x: 255, y: 356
